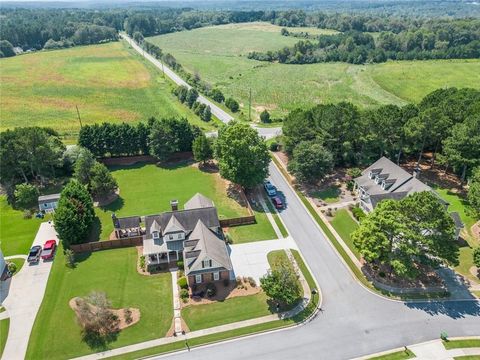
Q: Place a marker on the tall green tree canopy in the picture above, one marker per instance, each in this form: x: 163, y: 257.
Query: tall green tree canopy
x: 281, y: 284
x: 474, y: 192
x: 401, y: 233
x: 74, y: 215
x: 242, y: 155
x: 311, y: 162
x: 202, y: 150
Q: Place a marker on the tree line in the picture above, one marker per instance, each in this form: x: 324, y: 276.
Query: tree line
x: 159, y: 138
x: 446, y: 122
x: 438, y: 39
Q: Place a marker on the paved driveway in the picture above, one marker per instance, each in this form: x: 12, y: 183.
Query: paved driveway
x: 251, y: 259
x: 24, y: 298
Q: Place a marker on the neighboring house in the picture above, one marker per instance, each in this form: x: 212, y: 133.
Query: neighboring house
x: 193, y: 234
x: 48, y: 203
x: 386, y: 180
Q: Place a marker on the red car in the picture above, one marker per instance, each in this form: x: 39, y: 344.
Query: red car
x: 49, y: 250
x: 277, y: 202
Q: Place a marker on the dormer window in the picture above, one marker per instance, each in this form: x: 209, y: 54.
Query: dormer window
x: 155, y: 234
x: 206, y: 264
x: 370, y: 175
x: 384, y: 185
x: 377, y: 179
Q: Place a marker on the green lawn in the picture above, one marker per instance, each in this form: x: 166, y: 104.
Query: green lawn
x: 113, y: 272
x: 262, y: 230
x: 108, y: 82
x: 329, y: 195
x: 4, y: 324
x: 458, y: 204
x: 19, y: 262
x: 344, y: 224
x: 467, y: 357
x: 399, y: 355
x: 147, y: 189
x: 16, y: 233
x: 458, y: 344
x: 223, y: 63
x: 274, y: 257
x: 224, y: 312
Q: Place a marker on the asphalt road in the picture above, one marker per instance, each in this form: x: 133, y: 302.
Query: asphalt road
x: 217, y: 111
x: 354, y: 321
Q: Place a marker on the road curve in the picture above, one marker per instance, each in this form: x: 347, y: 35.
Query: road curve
x: 222, y: 115
x: 354, y: 321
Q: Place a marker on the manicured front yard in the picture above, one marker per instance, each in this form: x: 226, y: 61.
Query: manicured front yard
x: 344, y: 224
x: 19, y: 262
x: 110, y: 271
x: 147, y: 189
x: 224, y: 312
x: 399, y: 355
x: 458, y: 344
x: 4, y: 325
x: 329, y: 195
x: 16, y: 233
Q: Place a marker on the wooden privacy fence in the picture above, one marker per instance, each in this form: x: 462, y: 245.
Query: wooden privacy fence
x: 107, y: 244
x: 244, y: 220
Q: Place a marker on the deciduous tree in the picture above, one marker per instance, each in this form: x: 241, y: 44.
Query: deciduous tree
x: 202, y: 150
x: 282, y: 284
x: 311, y: 162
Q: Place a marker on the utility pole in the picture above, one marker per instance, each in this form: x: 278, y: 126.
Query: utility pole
x: 250, y: 105
x: 79, y: 119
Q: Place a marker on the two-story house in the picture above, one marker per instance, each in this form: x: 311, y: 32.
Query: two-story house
x: 386, y: 180
x: 193, y: 234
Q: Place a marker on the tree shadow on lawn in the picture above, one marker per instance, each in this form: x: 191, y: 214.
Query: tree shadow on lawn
x: 96, y: 230
x: 99, y: 342
x: 81, y: 257
x: 453, y: 309
x: 114, y: 206
x: 175, y: 165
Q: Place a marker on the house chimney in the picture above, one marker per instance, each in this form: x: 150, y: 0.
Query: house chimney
x: 174, y: 205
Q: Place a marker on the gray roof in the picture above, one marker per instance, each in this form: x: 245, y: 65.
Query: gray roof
x: 126, y: 222
x: 173, y: 226
x: 198, y: 201
x: 157, y: 246
x: 186, y: 218
x: 457, y: 220
x: 48, y: 198
x: 205, y: 244
x: 375, y: 199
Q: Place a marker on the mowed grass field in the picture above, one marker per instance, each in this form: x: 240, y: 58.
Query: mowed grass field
x: 219, y: 55
x: 108, y: 82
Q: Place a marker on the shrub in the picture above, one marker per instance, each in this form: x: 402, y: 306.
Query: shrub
x: 238, y: 281
x: 182, y: 282
x: 142, y: 262
x: 27, y: 214
x: 232, y: 104
x: 273, y: 146
x: 354, y: 172
x: 265, y: 117
x: 476, y: 257
x: 184, y: 294
x: 226, y: 282
x: 358, y: 213
x: 180, y: 265
x: 228, y: 238
x: 12, y: 267
x: 350, y: 185
x: 69, y: 258
x: 252, y: 281
x: 211, y: 290
x: 127, y: 313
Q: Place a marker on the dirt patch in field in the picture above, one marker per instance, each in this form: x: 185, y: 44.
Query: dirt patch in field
x: 475, y: 229
x: 120, y: 313
x: 475, y: 271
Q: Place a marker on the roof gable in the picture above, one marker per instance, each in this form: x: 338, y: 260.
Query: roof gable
x: 198, y: 201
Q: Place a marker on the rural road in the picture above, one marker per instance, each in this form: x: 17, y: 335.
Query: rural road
x: 221, y: 114
x: 217, y: 111
x: 354, y: 321
x: 25, y: 296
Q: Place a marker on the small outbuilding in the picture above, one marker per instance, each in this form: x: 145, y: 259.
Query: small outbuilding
x: 48, y: 203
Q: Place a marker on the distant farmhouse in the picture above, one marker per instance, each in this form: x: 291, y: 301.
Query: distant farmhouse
x: 386, y: 180
x: 193, y: 234
x: 48, y: 203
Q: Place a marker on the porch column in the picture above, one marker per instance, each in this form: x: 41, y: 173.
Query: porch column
x: 168, y: 256
x: 158, y: 259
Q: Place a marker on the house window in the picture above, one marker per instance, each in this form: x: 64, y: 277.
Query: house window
x: 198, y: 279
x: 171, y: 237
x: 155, y: 234
x: 206, y: 263
x: 216, y: 276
